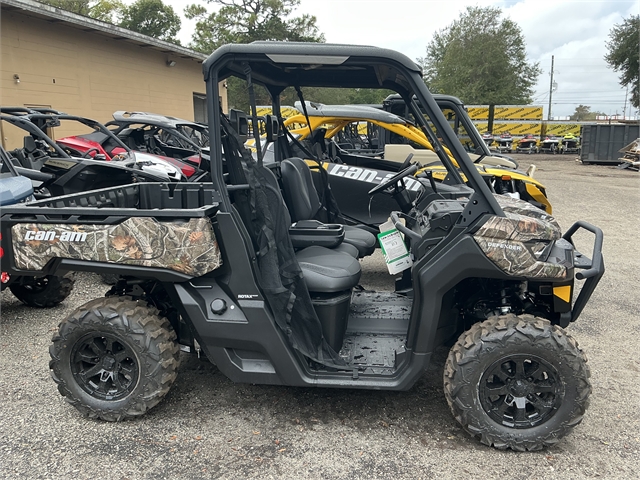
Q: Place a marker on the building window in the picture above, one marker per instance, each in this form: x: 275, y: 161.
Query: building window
x: 200, y: 108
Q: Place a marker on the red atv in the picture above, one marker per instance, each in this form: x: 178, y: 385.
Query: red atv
x: 99, y: 144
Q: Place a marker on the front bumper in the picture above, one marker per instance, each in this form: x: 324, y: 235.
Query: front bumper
x: 589, y: 269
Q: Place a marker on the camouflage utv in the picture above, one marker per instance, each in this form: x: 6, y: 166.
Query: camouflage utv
x: 221, y: 269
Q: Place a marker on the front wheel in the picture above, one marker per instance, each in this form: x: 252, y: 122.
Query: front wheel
x: 517, y: 382
x: 114, y: 358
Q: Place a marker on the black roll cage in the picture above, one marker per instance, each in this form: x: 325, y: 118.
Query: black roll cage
x: 278, y: 65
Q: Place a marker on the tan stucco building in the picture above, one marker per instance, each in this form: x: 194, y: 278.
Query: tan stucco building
x: 53, y: 58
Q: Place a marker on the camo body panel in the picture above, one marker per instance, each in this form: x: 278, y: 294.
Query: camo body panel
x: 502, y: 239
x: 520, y: 207
x: 187, y: 247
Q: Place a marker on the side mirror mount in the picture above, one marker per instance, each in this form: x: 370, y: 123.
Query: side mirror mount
x: 272, y: 127
x: 238, y: 120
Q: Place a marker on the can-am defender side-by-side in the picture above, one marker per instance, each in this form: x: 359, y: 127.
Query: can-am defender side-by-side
x: 219, y: 269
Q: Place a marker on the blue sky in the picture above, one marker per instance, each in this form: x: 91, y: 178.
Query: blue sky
x: 575, y: 32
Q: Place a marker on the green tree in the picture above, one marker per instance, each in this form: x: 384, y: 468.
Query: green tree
x: 624, y: 54
x: 481, y: 58
x: 581, y: 113
x: 153, y: 18
x: 81, y: 7
x: 584, y: 113
x: 239, y: 97
x: 244, y: 21
x: 107, y: 10
x: 104, y: 10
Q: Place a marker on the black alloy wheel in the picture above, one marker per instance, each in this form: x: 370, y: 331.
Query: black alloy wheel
x: 43, y: 292
x: 114, y: 358
x: 104, y: 366
x: 517, y: 381
x: 521, y: 391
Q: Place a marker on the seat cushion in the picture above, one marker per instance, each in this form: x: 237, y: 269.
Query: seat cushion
x: 327, y: 270
x: 364, y: 241
x: 348, y: 249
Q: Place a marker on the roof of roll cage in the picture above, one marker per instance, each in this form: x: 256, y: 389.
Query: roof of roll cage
x: 350, y: 111
x: 123, y: 116
x: 436, y: 96
x: 278, y: 65
x: 311, y: 64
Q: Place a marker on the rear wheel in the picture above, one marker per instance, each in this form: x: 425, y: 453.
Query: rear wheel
x: 114, y: 358
x: 517, y: 382
x: 43, y: 292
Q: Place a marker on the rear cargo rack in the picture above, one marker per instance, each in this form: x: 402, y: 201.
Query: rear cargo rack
x: 160, y: 200
x: 157, y: 230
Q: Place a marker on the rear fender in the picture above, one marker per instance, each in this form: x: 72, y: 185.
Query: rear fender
x: 230, y: 320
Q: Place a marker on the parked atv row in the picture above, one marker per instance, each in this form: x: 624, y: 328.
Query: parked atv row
x: 249, y: 270
x: 550, y: 144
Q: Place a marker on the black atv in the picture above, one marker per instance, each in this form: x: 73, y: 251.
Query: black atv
x: 165, y: 135
x: 219, y: 269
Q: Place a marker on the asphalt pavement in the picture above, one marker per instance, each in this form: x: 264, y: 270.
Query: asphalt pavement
x: 208, y: 427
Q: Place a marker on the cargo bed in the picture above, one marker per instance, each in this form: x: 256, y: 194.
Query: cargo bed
x: 165, y: 228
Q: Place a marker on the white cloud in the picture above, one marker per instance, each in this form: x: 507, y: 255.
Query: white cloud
x: 574, y: 32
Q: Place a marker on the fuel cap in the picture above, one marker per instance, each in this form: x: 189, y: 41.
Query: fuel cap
x: 218, y: 306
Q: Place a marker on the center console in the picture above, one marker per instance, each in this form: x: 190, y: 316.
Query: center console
x: 307, y: 233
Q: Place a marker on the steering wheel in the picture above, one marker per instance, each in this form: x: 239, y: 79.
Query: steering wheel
x: 395, y: 179
x: 86, y: 154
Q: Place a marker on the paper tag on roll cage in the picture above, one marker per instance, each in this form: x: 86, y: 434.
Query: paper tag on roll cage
x: 394, y: 250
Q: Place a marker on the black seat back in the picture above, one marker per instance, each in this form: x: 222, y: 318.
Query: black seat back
x: 135, y: 139
x: 300, y: 193
x: 33, y: 158
x: 29, y: 144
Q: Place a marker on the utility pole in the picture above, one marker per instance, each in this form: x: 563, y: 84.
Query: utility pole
x: 624, y: 110
x: 550, y: 89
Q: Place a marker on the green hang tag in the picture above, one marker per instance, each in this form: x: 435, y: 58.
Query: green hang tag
x: 395, y: 251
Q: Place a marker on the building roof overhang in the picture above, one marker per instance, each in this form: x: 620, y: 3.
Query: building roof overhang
x: 48, y: 13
